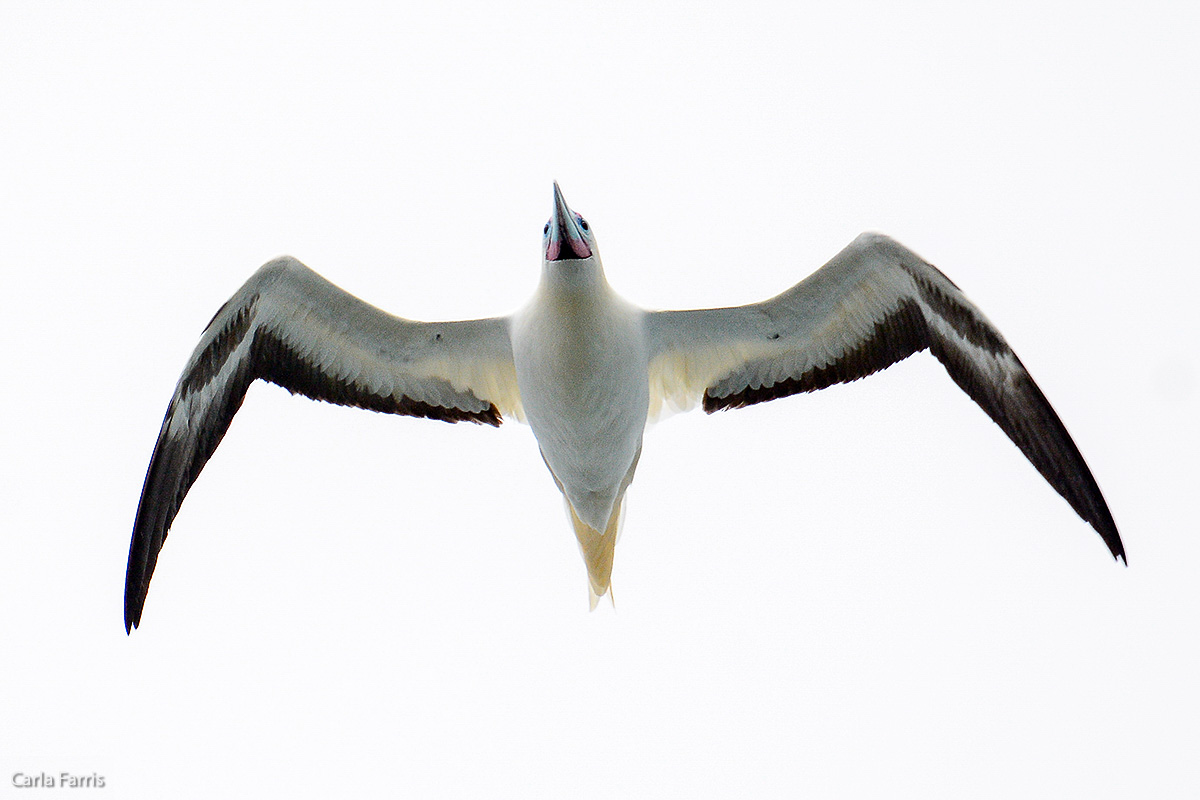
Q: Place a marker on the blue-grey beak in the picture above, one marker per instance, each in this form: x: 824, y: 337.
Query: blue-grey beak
x: 566, y: 240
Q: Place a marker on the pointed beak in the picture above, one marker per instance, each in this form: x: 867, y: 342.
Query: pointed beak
x: 566, y: 240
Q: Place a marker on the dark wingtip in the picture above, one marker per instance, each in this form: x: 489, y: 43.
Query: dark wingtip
x: 136, y: 576
x: 133, y: 617
x: 1102, y: 521
x: 133, y: 606
x: 1115, y: 545
x: 1113, y: 539
x: 1118, y: 552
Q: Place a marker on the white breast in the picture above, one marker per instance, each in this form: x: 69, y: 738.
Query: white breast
x: 581, y: 363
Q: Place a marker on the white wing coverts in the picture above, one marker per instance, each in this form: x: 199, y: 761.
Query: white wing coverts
x: 290, y: 326
x: 873, y: 304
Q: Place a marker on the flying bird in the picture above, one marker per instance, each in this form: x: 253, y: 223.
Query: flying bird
x: 586, y: 370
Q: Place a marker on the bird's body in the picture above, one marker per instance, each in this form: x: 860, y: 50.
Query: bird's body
x: 582, y: 371
x: 586, y: 369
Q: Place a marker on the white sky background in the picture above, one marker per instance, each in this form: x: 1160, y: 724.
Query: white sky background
x: 863, y: 591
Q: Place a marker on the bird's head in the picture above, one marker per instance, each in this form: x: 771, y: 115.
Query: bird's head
x: 567, y: 236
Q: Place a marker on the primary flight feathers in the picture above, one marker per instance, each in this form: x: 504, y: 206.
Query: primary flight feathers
x: 586, y: 370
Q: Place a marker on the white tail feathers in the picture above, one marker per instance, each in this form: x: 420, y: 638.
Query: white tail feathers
x: 597, y: 549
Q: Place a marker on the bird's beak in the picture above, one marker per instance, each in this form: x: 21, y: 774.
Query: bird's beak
x: 566, y: 240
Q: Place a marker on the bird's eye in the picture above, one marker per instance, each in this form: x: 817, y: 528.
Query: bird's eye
x: 546, y: 229
x: 583, y: 224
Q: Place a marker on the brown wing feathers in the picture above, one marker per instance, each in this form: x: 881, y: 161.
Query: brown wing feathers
x: 203, y: 407
x: 982, y: 364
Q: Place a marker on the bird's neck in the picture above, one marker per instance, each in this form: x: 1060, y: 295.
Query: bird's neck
x: 576, y: 278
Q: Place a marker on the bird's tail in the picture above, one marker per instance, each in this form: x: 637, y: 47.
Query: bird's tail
x: 597, y: 549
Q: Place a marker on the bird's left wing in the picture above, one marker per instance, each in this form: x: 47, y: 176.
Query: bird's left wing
x: 290, y: 326
x: 873, y: 304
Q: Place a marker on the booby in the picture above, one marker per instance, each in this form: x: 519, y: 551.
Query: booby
x: 586, y: 370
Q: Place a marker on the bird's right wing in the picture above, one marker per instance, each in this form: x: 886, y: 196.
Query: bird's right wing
x: 289, y: 326
x: 873, y: 304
